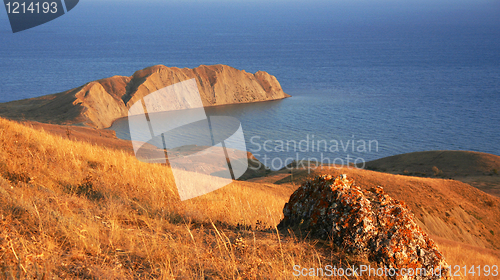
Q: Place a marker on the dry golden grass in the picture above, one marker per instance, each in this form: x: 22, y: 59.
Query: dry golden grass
x: 459, y: 255
x: 72, y: 210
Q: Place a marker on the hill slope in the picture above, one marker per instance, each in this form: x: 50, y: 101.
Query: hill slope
x: 74, y: 210
x: 445, y: 208
x: 100, y: 102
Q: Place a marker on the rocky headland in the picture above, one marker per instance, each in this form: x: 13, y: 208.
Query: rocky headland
x: 98, y: 103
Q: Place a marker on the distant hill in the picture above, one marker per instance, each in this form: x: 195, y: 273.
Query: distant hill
x: 450, y: 163
x: 99, y: 103
x: 480, y: 170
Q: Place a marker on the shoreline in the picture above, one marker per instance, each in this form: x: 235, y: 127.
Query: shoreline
x: 209, y: 106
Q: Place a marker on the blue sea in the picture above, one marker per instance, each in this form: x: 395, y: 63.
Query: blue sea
x: 368, y: 79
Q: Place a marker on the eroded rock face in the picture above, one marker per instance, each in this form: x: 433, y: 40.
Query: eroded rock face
x: 364, y: 222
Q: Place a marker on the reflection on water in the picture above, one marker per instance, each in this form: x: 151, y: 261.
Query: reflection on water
x: 243, y: 112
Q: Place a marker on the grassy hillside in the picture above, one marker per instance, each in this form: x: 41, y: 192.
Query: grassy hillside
x: 73, y: 210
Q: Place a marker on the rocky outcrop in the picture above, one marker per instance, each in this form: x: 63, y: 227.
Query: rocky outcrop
x: 99, y: 103
x: 364, y: 222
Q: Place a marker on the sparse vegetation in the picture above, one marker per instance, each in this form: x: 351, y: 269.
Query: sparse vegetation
x: 436, y: 171
x: 490, y: 203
